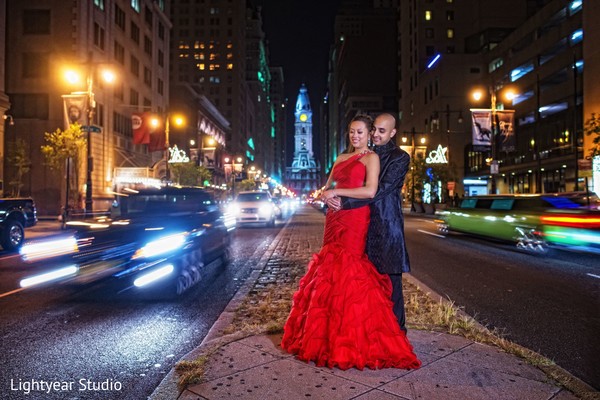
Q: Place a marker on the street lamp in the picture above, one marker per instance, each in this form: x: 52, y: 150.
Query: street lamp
x: 74, y: 77
x: 435, y: 119
x: 508, y: 94
x: 178, y: 120
x: 232, y: 166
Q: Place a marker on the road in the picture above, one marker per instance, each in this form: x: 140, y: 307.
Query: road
x: 547, y: 304
x: 97, y: 343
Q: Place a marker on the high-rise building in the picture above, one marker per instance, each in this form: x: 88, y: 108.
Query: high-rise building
x: 362, y: 69
x: 209, y: 52
x: 260, y: 144
x: 278, y: 123
x: 129, y: 37
x: 442, y: 44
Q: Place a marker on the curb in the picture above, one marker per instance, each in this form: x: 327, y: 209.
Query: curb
x: 169, y: 384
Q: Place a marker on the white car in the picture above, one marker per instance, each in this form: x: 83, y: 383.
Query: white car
x: 254, y: 207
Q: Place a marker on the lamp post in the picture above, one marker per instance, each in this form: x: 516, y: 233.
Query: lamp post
x: 74, y: 76
x: 495, y: 124
x: 233, y: 165
x: 179, y: 121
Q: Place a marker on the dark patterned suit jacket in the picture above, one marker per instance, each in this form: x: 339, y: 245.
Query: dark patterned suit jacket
x: 386, y: 247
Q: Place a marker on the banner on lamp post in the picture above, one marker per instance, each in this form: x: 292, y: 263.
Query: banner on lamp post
x: 140, y: 123
x: 482, y: 128
x: 75, y: 106
x: 506, y: 131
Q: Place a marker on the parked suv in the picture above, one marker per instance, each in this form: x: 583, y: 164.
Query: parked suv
x: 254, y: 207
x: 15, y: 215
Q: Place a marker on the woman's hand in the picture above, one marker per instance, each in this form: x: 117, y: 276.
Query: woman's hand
x: 328, y: 194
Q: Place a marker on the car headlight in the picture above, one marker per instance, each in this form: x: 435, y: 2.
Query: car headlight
x: 233, y: 209
x: 160, y: 246
x: 265, y: 209
x: 33, y: 251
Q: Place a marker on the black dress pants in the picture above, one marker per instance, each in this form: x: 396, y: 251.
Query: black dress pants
x: 398, y: 300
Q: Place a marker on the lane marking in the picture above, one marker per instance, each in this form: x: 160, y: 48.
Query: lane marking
x: 431, y: 233
x: 593, y: 275
x: 11, y: 292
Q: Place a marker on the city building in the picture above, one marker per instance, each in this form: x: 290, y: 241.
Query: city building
x: 260, y: 144
x: 363, y: 66
x: 209, y: 52
x: 542, y: 61
x: 441, y: 48
x: 130, y: 38
x: 279, y: 121
x: 303, y: 176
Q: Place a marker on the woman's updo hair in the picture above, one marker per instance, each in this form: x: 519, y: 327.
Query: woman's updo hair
x: 367, y: 120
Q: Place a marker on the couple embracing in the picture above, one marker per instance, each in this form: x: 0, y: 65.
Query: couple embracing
x: 349, y: 309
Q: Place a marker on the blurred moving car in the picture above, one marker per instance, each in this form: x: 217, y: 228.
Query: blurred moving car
x: 253, y: 207
x: 533, y: 222
x: 15, y: 215
x: 160, y: 238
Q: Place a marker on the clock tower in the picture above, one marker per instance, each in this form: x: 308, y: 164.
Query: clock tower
x: 303, y: 175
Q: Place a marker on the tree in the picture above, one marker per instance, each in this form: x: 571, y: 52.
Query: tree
x: 18, y: 156
x: 189, y: 174
x: 64, y: 154
x: 592, y: 127
x: 247, y: 184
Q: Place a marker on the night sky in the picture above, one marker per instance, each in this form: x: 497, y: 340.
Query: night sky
x: 299, y: 35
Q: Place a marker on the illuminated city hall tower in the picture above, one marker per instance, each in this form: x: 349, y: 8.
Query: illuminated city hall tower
x: 303, y: 176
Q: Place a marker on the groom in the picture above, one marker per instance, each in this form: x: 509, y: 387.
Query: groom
x: 386, y: 247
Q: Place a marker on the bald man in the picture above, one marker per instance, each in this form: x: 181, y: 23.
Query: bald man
x: 386, y: 247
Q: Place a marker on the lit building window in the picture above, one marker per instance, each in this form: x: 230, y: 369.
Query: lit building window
x: 212, y: 56
x: 229, y: 56
x: 576, y: 36
x: 229, y: 66
x: 521, y: 71
x: 201, y: 67
x: 428, y: 15
x: 450, y: 33
x: 229, y: 46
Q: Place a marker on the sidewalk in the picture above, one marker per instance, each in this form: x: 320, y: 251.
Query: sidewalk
x: 255, y: 367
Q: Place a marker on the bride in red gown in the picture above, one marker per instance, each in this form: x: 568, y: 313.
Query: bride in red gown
x: 342, y: 312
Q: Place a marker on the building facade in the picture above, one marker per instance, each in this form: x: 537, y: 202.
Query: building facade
x: 363, y: 69
x: 132, y: 39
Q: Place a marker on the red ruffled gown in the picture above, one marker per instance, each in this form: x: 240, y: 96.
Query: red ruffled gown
x: 342, y: 312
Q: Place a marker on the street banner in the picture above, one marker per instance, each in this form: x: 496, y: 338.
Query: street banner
x: 157, y: 141
x: 208, y: 157
x: 75, y: 106
x: 482, y: 128
x: 506, y: 131
x: 140, y: 123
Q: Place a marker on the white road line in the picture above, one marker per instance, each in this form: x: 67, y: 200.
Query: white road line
x: 431, y: 233
x: 11, y: 292
x: 593, y: 275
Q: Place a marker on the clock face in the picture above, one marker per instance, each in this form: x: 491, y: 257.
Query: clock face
x: 303, y: 117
